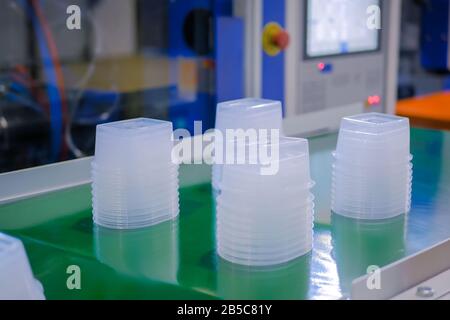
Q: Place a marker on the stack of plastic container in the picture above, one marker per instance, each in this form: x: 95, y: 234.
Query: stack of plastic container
x: 135, y: 182
x: 248, y: 113
x: 372, y: 170
x: 16, y: 278
x: 267, y: 218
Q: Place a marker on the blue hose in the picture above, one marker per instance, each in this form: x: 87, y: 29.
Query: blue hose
x: 54, y: 97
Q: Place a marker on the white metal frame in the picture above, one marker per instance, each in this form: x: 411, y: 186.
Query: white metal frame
x: 251, y: 12
x: 406, y: 274
x: 26, y: 183
x: 393, y: 54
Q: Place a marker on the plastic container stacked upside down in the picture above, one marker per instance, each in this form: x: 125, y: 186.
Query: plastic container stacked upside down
x: 372, y: 170
x: 135, y: 181
x: 244, y: 114
x: 267, y: 218
x: 16, y: 277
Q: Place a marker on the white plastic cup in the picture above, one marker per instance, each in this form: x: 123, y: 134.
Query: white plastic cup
x: 247, y: 113
x: 135, y: 183
x: 17, y: 281
x: 267, y: 219
x: 251, y: 258
x: 372, y: 170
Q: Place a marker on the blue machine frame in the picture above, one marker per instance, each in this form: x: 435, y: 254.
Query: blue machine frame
x: 435, y: 49
x: 228, y: 56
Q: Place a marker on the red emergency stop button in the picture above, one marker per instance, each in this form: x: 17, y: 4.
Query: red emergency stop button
x: 281, y: 39
x: 274, y: 39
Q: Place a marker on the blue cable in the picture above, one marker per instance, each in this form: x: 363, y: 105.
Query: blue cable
x: 23, y: 101
x: 52, y: 90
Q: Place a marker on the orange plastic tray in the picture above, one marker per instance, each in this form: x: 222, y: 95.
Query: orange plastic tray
x: 431, y: 111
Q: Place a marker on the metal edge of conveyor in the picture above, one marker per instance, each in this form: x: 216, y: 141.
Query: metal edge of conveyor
x: 409, y: 278
x: 32, y: 182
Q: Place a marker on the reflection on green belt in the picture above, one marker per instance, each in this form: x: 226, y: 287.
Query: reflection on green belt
x: 98, y: 281
x: 153, y: 253
x: 287, y: 281
x: 358, y: 244
x: 150, y: 252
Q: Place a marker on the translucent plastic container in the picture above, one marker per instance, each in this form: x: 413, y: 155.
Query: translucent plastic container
x: 135, y: 182
x: 267, y: 220
x: 371, y: 213
x: 290, y: 225
x: 248, y: 113
x: 251, y: 258
x: 16, y: 277
x: 268, y: 248
x: 372, y: 171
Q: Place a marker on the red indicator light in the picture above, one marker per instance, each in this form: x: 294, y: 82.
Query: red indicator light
x: 373, y: 100
x: 321, y: 66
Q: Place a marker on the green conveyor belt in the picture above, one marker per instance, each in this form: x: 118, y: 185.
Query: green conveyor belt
x: 177, y: 259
